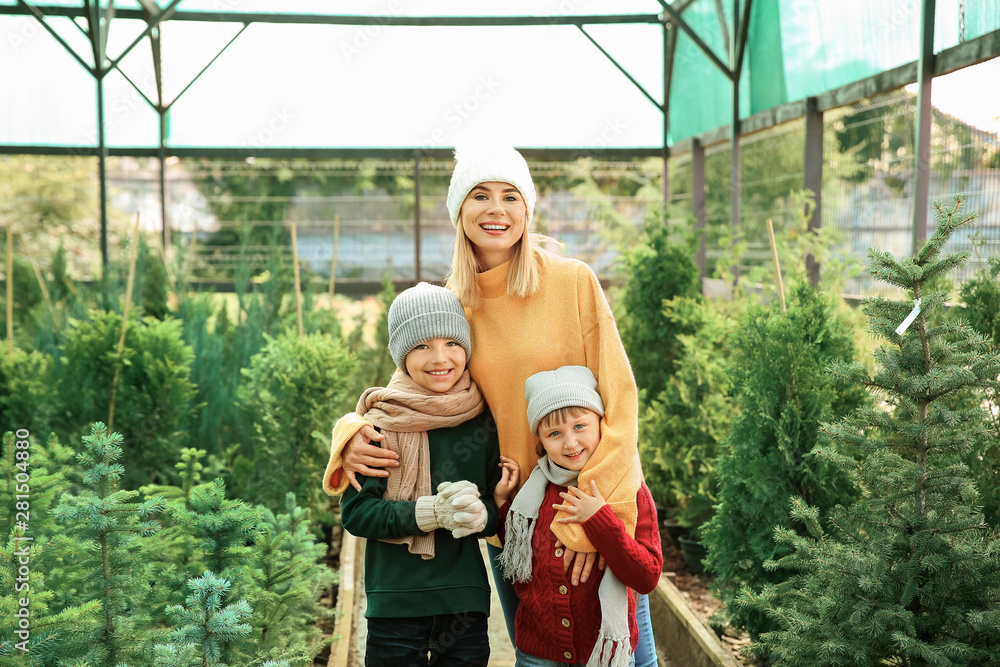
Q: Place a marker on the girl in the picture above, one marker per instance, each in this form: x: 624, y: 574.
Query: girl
x: 557, y: 623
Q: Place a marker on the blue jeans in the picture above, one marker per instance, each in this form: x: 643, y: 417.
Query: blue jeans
x: 449, y: 640
x: 645, y: 650
x: 527, y: 660
x: 509, y: 601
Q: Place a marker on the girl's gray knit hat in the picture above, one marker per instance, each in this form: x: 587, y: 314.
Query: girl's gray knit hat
x: 422, y: 313
x: 566, y: 387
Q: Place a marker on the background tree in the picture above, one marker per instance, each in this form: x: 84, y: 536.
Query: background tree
x: 783, y: 394
x: 222, y: 526
x: 51, y: 201
x: 283, y: 584
x: 57, y: 629
x: 206, y: 624
x: 103, y: 537
x: 287, y: 394
x: 26, y: 399
x: 908, y: 574
x: 981, y: 299
x: 656, y: 270
x: 681, y: 429
x: 151, y: 290
x: 375, y: 364
x: 154, y: 392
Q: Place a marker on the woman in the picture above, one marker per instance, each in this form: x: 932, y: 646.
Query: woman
x: 529, y: 311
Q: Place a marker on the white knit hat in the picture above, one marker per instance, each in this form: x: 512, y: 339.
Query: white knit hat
x: 566, y: 387
x: 488, y: 164
x: 422, y: 313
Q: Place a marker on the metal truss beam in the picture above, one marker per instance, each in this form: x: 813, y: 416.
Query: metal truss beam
x: 332, y: 19
x: 621, y: 69
x: 407, y: 153
x: 678, y: 20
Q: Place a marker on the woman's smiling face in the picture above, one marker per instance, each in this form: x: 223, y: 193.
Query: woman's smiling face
x: 493, y: 218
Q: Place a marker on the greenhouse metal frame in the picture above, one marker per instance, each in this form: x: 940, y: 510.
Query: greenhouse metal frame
x: 733, y: 33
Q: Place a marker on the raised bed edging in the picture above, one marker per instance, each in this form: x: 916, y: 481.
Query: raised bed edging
x: 681, y: 633
x: 351, y: 577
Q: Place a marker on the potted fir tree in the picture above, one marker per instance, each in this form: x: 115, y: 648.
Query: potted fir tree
x: 909, y: 574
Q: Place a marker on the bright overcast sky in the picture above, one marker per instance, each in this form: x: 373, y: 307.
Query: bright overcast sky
x: 971, y: 94
x: 344, y: 86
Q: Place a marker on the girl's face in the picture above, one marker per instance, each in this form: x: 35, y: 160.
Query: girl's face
x: 571, y: 442
x: 436, y: 364
x: 493, y: 218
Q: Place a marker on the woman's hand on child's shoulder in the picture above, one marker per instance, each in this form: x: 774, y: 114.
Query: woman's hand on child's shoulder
x: 363, y: 456
x: 579, y: 505
x: 510, y: 475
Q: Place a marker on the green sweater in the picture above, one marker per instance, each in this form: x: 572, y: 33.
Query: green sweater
x: 401, y: 584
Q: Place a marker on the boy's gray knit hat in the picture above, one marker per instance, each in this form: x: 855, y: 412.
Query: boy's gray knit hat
x: 569, y: 386
x: 422, y: 313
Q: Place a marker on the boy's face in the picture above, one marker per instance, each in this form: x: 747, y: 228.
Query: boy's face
x: 436, y: 364
x: 571, y: 442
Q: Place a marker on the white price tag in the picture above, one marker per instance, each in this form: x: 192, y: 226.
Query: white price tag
x: 905, y: 324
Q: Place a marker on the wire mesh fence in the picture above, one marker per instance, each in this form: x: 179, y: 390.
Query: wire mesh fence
x: 868, y: 183
x: 358, y: 218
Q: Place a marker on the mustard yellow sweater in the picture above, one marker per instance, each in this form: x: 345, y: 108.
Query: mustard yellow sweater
x: 567, y: 322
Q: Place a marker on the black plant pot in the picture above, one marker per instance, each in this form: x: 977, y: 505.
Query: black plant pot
x: 675, y: 531
x: 694, y: 553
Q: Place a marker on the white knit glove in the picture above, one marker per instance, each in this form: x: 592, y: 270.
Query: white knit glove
x: 456, y: 507
x: 470, y: 512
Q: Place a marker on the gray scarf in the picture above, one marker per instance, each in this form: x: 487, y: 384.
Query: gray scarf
x: 515, y: 561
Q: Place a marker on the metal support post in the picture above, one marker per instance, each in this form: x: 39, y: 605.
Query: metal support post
x: 925, y: 75
x: 813, y: 179
x: 102, y: 171
x: 698, y: 203
x: 734, y: 138
x: 163, y: 179
x: 669, y: 43
x: 416, y: 216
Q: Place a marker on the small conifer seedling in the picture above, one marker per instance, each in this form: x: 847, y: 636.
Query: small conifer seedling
x: 104, y: 535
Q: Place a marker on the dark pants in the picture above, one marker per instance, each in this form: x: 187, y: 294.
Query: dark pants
x: 449, y: 640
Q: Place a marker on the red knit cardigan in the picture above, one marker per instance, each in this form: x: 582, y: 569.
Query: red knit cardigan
x: 559, y: 621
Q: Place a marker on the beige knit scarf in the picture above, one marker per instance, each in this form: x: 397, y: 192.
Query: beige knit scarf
x: 404, y: 411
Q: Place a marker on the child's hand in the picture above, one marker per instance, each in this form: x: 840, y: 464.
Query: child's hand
x: 579, y: 505
x: 508, y: 481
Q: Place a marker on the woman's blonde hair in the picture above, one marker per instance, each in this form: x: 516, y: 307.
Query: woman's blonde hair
x: 524, y: 276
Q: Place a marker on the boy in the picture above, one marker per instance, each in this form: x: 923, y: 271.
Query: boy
x: 427, y: 588
x: 557, y: 623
